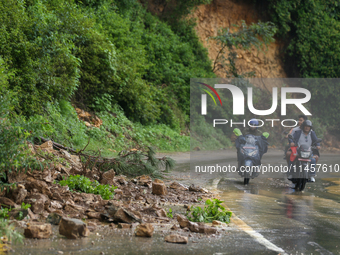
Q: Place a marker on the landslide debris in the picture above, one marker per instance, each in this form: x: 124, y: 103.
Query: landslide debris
x: 139, y: 200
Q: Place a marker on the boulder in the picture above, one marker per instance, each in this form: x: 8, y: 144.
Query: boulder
x: 194, y: 188
x: 219, y: 223
x: 18, y: 195
x: 158, y: 187
x: 73, y: 228
x: 56, y: 205
x: 31, y: 215
x: 178, y: 186
x: 38, y: 230
x: 94, y: 215
x: 161, y: 213
x: 200, y: 227
x: 176, y: 239
x: 144, y: 230
x: 183, y: 221
x: 124, y: 225
x: 92, y: 226
x: 144, y: 180
x: 125, y: 216
x: 107, y: 177
x: 37, y: 202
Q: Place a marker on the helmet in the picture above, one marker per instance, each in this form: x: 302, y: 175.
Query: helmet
x: 253, y: 122
x: 306, y: 123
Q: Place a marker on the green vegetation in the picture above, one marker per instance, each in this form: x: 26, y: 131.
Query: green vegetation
x: 169, y: 213
x: 9, y: 231
x: 310, y: 31
x: 84, y: 184
x: 213, y: 210
x: 4, y: 212
x: 64, y: 49
x: 257, y: 35
x: 113, y: 58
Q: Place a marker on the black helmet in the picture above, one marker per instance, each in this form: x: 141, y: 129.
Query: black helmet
x: 307, y: 123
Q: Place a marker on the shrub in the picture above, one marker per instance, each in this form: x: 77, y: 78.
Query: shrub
x: 84, y: 184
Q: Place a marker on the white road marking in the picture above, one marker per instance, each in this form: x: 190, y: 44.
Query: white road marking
x: 249, y: 230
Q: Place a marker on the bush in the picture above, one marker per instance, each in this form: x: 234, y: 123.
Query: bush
x: 84, y: 184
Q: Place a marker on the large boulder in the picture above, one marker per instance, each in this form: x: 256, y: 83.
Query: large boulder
x: 38, y: 230
x: 176, y: 239
x: 159, y: 188
x: 73, y: 228
x: 144, y: 230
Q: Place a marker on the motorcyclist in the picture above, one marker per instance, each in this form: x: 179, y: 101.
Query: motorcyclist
x: 253, y: 130
x: 307, y: 136
x: 288, y: 152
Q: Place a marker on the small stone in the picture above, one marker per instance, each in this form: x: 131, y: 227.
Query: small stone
x: 108, y: 177
x: 178, y: 186
x: 124, y: 225
x: 159, y: 188
x: 176, y: 239
x: 92, y: 226
x: 144, y: 230
x: 94, y: 215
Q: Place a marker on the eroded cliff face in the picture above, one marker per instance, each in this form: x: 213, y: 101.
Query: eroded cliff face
x: 223, y: 14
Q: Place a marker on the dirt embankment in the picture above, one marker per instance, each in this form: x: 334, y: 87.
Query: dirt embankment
x: 223, y: 14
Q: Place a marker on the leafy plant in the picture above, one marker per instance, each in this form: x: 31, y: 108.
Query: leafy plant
x: 257, y: 35
x: 169, y: 214
x: 8, y: 230
x: 25, y: 206
x: 4, y: 212
x: 84, y: 184
x: 213, y: 210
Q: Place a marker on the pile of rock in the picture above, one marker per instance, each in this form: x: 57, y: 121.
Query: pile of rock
x: 136, y: 201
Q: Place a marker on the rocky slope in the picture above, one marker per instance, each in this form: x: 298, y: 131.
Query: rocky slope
x: 221, y: 14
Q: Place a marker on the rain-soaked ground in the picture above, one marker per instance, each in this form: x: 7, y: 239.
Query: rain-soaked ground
x: 269, y: 218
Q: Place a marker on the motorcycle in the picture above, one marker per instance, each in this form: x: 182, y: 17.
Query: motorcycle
x: 250, y: 157
x: 301, y: 158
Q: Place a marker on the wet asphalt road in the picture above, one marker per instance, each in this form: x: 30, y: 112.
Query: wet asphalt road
x: 271, y: 218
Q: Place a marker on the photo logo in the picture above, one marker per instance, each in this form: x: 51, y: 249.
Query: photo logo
x: 238, y: 99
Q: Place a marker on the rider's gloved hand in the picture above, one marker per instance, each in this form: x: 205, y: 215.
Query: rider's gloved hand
x: 242, y: 140
x: 265, y: 134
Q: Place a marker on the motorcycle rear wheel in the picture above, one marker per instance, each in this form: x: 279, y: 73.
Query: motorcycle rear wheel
x: 301, y: 184
x: 246, y: 181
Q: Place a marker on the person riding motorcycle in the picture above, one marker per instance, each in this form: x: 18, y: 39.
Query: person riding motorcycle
x: 307, y: 136
x: 288, y: 152
x: 253, y: 130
